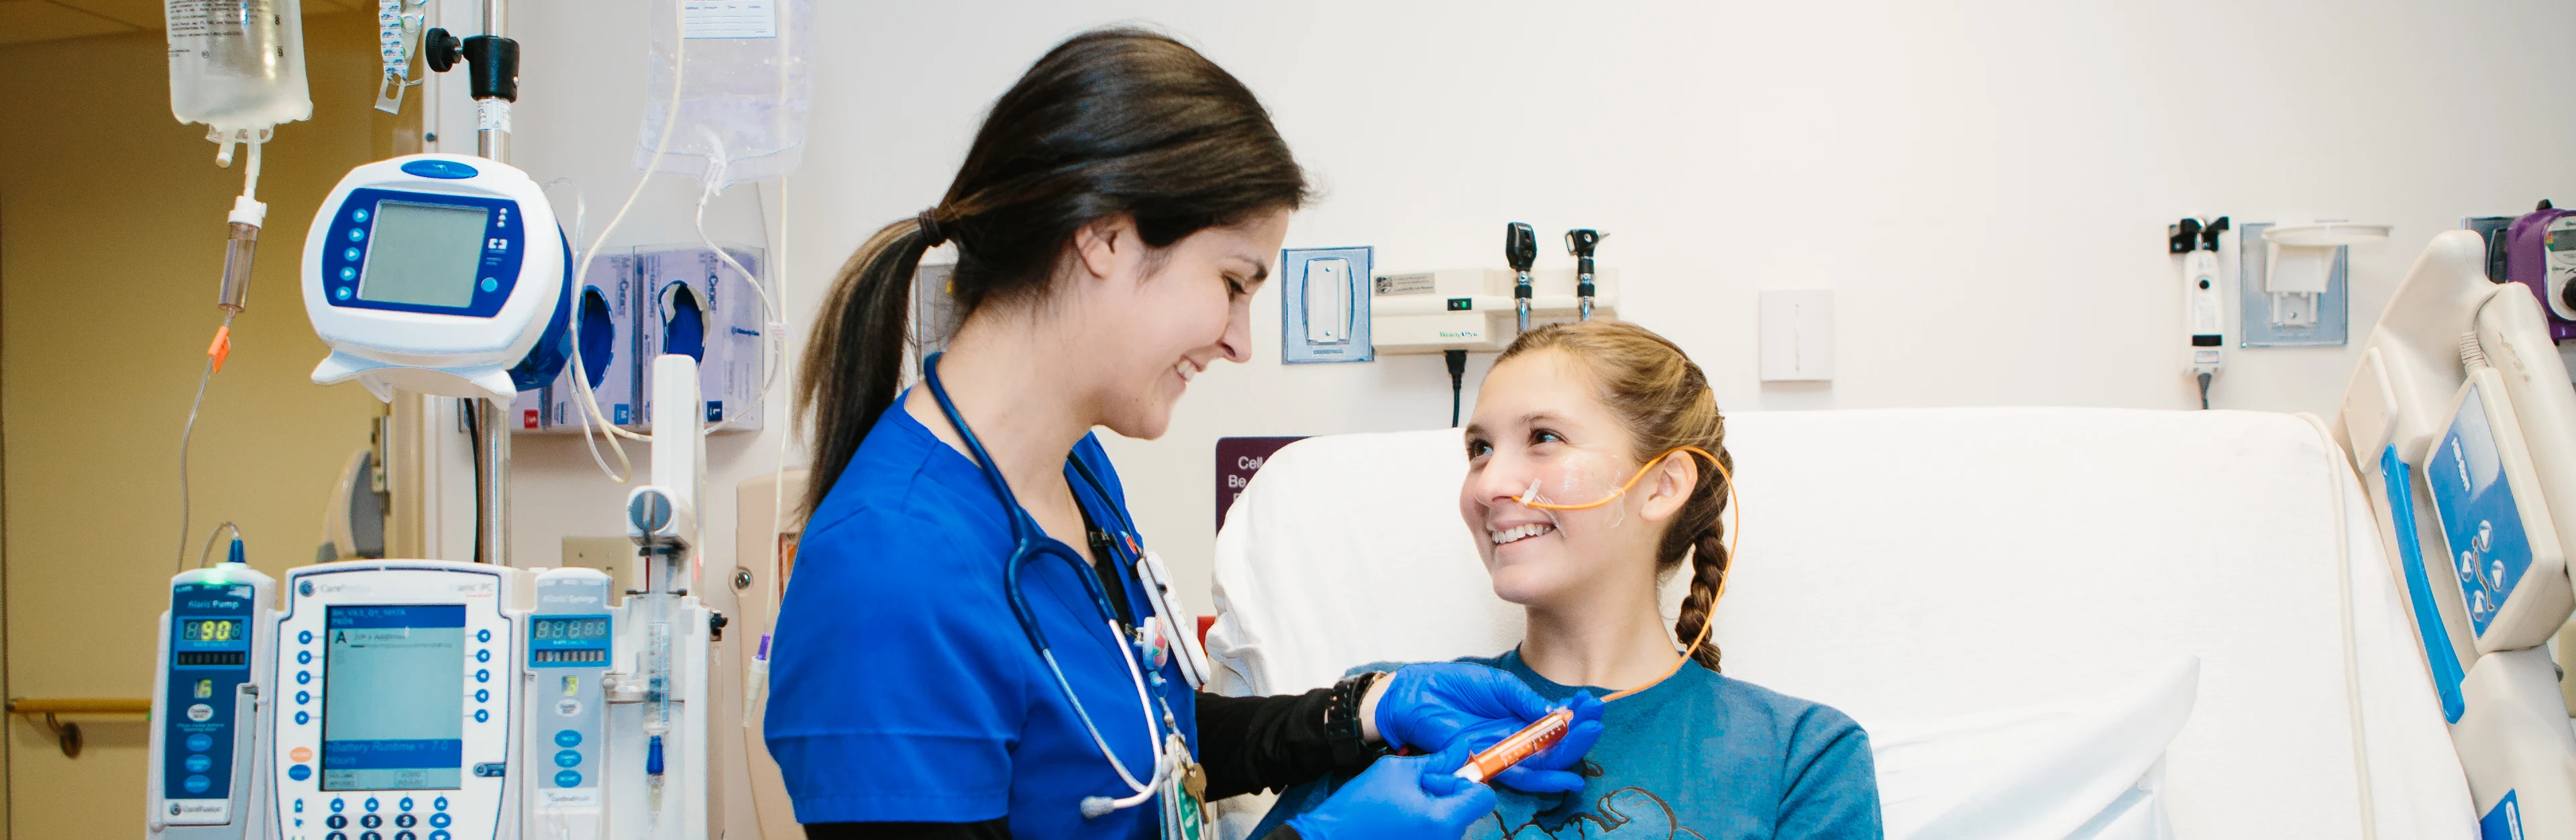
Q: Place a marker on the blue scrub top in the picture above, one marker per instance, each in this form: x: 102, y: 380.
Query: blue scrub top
x: 902, y: 689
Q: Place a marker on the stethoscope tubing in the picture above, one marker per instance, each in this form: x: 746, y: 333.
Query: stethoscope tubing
x: 1026, y: 539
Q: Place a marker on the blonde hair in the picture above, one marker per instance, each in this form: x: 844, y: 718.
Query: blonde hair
x: 1664, y: 401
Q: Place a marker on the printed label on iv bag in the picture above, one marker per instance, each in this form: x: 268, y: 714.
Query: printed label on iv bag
x: 728, y: 19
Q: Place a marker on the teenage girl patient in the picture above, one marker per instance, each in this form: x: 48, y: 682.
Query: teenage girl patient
x: 1597, y: 468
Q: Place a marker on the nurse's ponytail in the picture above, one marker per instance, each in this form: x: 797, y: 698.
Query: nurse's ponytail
x: 1114, y: 122
x: 1665, y: 402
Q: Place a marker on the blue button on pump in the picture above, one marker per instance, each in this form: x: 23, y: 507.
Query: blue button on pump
x: 482, y: 695
x: 350, y: 255
x: 201, y: 742
x: 304, y: 638
x: 302, y: 718
x: 482, y: 675
x: 302, y: 697
x: 438, y: 835
x: 302, y: 677
x: 372, y: 804
x: 199, y: 762
x: 300, y: 773
x: 447, y: 169
x: 568, y: 738
x: 406, y: 803
x: 568, y: 778
x: 359, y: 216
x: 567, y: 758
x: 484, y: 655
x: 338, y: 806
x: 490, y: 284
x: 357, y: 234
x: 440, y: 804
x: 482, y: 715
x: 482, y: 635
x: 341, y: 293
x: 347, y: 273
x: 303, y: 657
x: 197, y: 784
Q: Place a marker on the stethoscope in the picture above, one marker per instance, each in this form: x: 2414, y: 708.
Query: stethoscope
x: 1028, y: 541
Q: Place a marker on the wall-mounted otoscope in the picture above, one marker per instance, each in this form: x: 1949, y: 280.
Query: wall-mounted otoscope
x: 1580, y: 243
x: 1520, y: 248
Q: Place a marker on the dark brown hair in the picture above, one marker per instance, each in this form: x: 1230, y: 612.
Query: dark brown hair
x: 1112, y: 122
x: 1665, y: 402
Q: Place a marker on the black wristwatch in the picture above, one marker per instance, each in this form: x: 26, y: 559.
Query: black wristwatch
x: 1351, y: 752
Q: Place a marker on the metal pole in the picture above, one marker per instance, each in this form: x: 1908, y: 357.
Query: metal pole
x: 492, y: 498
x: 492, y: 114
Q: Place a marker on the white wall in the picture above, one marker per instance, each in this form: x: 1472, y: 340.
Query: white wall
x: 1986, y: 188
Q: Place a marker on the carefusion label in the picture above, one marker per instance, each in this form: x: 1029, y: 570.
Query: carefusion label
x: 197, y: 811
x: 2481, y: 523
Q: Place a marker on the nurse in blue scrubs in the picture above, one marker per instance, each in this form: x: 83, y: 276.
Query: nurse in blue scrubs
x: 968, y: 649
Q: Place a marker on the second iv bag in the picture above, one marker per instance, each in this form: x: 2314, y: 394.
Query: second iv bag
x: 745, y: 89
x: 237, y: 66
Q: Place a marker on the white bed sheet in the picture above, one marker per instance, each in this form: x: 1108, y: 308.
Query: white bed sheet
x: 1925, y: 565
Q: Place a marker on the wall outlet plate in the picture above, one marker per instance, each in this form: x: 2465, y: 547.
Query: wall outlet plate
x: 614, y: 555
x: 1324, y: 305
x: 2332, y: 322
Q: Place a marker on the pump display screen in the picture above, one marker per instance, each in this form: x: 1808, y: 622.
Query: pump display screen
x: 569, y: 641
x: 210, y: 630
x: 393, y: 697
x: 2560, y: 240
x: 423, y: 254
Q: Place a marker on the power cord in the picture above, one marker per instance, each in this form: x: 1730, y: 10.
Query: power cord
x: 1457, y: 381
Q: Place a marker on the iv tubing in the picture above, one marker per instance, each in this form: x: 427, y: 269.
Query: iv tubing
x: 589, y: 402
x: 186, y: 432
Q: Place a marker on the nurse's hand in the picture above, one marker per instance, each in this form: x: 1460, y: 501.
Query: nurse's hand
x: 1408, y: 797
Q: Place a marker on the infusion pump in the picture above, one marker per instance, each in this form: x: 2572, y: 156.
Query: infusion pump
x: 437, y: 700
x: 398, y: 685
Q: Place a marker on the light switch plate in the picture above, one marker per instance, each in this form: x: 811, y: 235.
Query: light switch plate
x: 1797, y: 335
x: 1323, y: 305
x: 2329, y: 326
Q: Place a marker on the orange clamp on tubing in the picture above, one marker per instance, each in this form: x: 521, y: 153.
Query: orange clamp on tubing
x: 1519, y: 747
x: 221, y: 348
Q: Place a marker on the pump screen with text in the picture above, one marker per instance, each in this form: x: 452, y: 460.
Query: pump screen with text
x: 393, y: 699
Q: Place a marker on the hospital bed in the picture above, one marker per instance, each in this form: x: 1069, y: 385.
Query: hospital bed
x: 2054, y: 622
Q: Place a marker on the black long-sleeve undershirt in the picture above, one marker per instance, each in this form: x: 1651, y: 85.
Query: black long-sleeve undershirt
x: 1247, y: 744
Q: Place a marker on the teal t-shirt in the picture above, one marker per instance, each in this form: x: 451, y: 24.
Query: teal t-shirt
x: 1700, y: 755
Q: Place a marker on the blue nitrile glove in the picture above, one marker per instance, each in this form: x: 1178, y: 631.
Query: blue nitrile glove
x: 1550, y: 771
x: 1426, y: 706
x: 1400, y: 797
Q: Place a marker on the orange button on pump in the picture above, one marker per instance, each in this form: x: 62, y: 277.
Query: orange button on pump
x: 300, y: 755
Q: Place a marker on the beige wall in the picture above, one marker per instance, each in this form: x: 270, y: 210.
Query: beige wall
x: 111, y: 240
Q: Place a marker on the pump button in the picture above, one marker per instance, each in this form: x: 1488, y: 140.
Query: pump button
x: 565, y: 738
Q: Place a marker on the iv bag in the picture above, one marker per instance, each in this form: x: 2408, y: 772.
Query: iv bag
x: 745, y: 89
x: 237, y: 65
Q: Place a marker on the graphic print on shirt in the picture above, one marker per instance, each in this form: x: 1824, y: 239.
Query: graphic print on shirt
x: 1629, y: 813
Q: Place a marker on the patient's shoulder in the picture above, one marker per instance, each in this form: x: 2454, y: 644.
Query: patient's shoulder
x: 1797, y: 719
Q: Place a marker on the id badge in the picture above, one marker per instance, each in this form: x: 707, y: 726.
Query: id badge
x: 1184, y: 811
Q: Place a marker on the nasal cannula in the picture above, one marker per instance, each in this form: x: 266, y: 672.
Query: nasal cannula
x: 1548, y: 730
